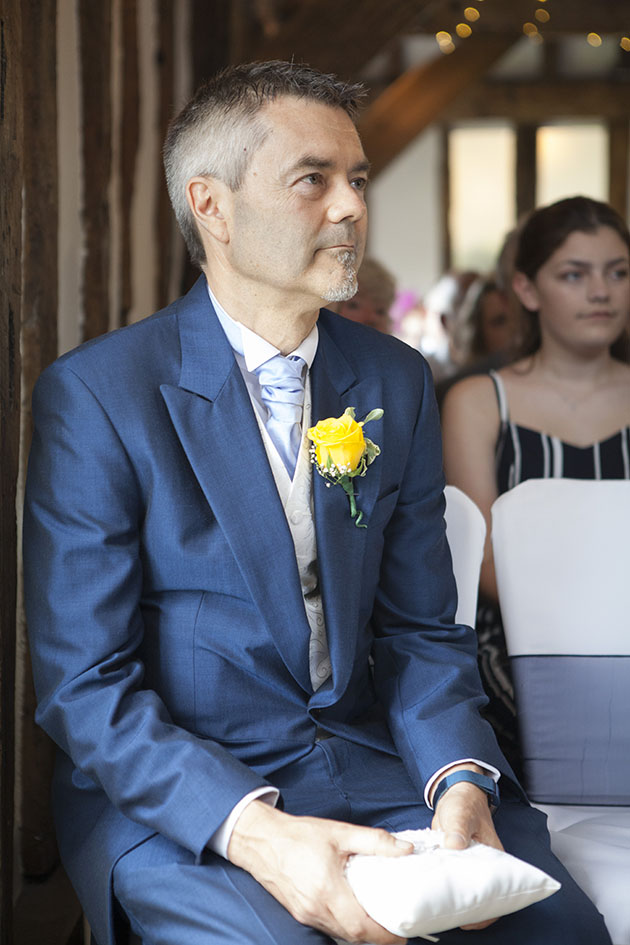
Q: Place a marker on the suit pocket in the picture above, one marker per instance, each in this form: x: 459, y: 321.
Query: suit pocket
x: 238, y: 672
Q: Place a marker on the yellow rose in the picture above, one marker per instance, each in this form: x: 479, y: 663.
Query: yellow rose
x: 341, y: 439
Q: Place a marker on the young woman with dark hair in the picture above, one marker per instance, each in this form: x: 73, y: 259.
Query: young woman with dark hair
x: 562, y: 408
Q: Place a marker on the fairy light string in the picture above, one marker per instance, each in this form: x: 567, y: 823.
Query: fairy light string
x: 541, y: 15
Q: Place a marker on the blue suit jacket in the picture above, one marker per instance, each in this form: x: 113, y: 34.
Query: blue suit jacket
x: 168, y: 632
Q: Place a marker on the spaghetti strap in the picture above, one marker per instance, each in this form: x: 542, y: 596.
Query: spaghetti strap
x: 501, y: 397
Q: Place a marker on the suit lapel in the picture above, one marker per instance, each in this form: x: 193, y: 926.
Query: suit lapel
x: 340, y: 543
x: 215, y: 422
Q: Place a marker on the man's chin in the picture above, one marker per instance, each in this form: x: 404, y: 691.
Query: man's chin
x: 337, y: 297
x: 342, y: 283
x: 343, y: 291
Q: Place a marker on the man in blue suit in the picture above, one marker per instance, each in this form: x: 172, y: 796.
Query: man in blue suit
x: 245, y: 685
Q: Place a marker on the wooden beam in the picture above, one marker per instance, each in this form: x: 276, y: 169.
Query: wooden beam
x: 339, y: 36
x: 95, y: 21
x: 619, y: 165
x: 41, y: 198
x: 210, y: 51
x: 39, y: 347
x: 210, y: 40
x: 129, y: 142
x: 243, y: 30
x: 11, y: 160
x: 536, y: 102
x: 166, y: 85
x: 525, y: 169
x: 47, y: 912
x: 421, y: 94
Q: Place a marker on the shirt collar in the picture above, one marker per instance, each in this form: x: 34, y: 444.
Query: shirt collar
x: 254, y: 349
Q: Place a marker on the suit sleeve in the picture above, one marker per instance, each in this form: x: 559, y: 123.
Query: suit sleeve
x: 425, y: 665
x: 83, y: 585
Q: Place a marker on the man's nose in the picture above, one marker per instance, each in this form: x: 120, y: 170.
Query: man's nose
x: 347, y: 203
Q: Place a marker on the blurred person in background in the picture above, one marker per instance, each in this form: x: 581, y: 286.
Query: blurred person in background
x: 408, y: 318
x: 374, y: 299
x: 484, y: 335
x: 487, y: 327
x: 442, y: 304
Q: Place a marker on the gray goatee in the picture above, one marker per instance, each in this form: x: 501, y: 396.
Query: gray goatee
x: 348, y: 284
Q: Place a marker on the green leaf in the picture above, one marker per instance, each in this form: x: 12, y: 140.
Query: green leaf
x: 372, y: 450
x: 350, y: 411
x: 375, y: 414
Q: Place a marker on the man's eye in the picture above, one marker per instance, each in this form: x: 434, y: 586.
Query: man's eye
x: 359, y: 183
x: 314, y: 179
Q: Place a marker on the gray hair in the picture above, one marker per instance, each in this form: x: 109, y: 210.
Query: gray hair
x: 218, y: 131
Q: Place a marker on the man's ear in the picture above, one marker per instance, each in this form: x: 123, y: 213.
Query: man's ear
x: 526, y: 291
x: 207, y: 198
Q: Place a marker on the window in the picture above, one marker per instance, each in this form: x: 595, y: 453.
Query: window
x: 481, y: 192
x: 571, y: 158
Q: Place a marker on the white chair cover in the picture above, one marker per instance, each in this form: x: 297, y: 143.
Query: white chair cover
x: 594, y: 845
x: 568, y: 541
x: 466, y: 533
x: 562, y: 558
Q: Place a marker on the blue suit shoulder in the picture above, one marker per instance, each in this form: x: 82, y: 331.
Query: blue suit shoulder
x: 373, y: 353
x: 152, y: 330
x: 128, y: 357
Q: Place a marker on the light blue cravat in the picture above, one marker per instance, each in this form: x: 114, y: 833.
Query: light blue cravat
x: 282, y: 392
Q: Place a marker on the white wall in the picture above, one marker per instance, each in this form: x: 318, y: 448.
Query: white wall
x: 405, y: 215
x: 71, y: 241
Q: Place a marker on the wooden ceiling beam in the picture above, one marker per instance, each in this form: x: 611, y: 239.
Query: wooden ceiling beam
x: 337, y: 35
x: 535, y: 102
x: 421, y: 94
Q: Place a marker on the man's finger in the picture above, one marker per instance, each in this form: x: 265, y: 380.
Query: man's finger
x: 374, y: 842
x: 454, y: 840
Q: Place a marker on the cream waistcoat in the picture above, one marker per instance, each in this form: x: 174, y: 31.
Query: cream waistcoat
x: 297, y: 498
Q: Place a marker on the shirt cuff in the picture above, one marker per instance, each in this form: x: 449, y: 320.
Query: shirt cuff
x: 220, y: 839
x: 489, y: 770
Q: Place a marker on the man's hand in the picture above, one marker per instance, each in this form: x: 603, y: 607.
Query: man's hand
x: 463, y: 814
x: 301, y: 860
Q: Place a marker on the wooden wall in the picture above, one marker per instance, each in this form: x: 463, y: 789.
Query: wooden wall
x: 11, y: 161
x: 90, y: 243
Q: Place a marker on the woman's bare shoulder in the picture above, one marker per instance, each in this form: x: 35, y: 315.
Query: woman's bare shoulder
x: 472, y: 394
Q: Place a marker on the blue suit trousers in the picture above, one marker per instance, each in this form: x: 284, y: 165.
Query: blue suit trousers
x: 170, y: 899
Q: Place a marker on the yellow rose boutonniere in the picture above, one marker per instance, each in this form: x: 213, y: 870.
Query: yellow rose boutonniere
x: 340, y: 451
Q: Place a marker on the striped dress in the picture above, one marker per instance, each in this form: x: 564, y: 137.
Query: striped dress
x: 522, y: 453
